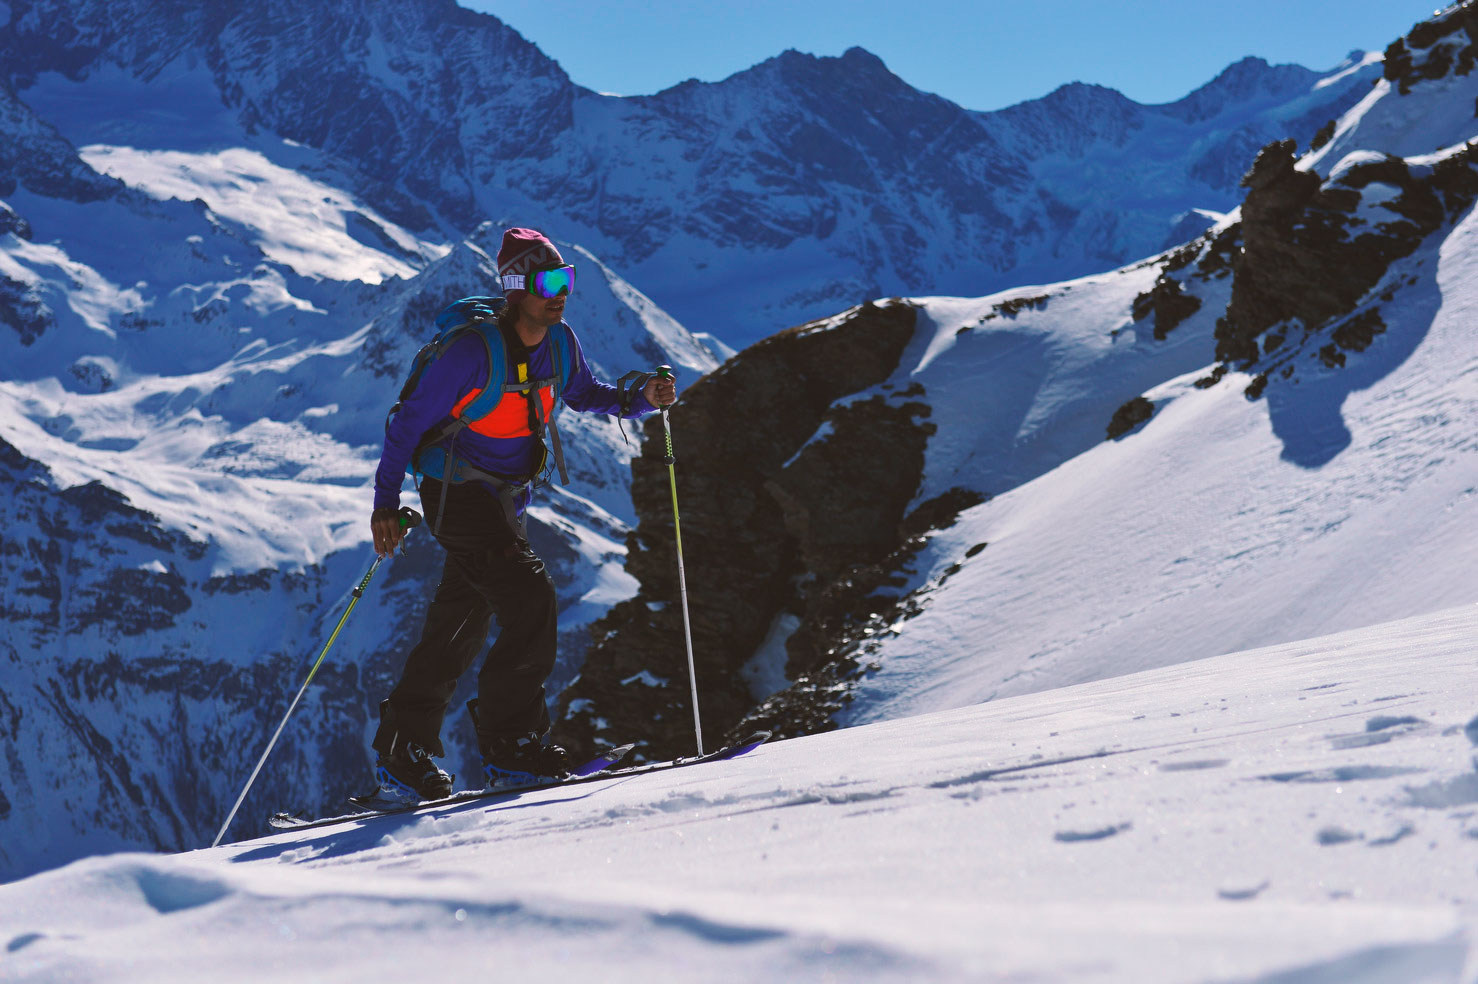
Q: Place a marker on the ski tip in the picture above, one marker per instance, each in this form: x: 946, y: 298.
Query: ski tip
x: 620, y: 752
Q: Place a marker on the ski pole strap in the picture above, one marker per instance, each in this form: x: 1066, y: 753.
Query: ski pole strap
x: 628, y: 386
x: 626, y: 389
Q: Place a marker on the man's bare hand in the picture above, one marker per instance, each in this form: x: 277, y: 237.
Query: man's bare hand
x: 660, y: 391
x: 386, y: 530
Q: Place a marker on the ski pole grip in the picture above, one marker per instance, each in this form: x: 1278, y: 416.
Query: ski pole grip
x: 409, y: 518
x: 665, y: 372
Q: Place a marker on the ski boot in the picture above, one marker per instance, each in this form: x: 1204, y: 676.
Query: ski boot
x: 409, y: 774
x: 523, y: 760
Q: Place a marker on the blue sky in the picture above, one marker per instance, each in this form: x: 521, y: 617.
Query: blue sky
x: 982, y: 55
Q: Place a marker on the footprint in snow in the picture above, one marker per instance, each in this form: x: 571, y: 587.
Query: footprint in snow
x: 1329, y: 836
x: 1381, y: 722
x: 1193, y: 766
x: 23, y: 940
x: 1378, y: 730
x: 1240, y: 891
x: 1101, y: 833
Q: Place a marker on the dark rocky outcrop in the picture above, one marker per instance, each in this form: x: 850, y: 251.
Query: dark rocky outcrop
x: 846, y: 622
x: 1308, y: 258
x: 1324, y: 135
x: 786, y: 488
x: 23, y: 312
x: 12, y: 222
x: 1168, y: 303
x: 35, y: 156
x: 1129, y: 416
x: 1435, y: 48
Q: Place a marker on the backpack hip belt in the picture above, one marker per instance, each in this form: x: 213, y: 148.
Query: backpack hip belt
x: 432, y: 462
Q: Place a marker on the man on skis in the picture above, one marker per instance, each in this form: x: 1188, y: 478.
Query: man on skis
x: 477, y: 480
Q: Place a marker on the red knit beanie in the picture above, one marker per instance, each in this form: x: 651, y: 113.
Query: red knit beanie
x: 524, y: 251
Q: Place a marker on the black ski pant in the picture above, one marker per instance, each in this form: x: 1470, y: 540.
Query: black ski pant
x: 491, y: 573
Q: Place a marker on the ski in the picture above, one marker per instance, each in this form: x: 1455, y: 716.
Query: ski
x: 599, y: 768
x: 376, y: 803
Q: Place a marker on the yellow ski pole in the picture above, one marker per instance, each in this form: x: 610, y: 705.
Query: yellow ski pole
x: 665, y: 372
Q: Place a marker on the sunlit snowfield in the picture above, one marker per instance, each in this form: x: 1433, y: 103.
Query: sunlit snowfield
x: 1305, y: 813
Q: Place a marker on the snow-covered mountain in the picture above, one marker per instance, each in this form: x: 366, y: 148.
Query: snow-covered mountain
x: 784, y: 193
x: 225, y: 228
x: 1261, y: 436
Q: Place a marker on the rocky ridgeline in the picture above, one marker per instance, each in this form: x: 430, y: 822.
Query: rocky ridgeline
x: 1446, y: 44
x: 1311, y: 254
x: 789, y: 491
x: 1305, y: 261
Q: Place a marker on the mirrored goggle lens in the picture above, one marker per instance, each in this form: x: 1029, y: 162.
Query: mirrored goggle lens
x: 552, y: 283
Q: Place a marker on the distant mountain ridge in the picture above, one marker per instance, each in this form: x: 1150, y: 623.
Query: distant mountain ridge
x: 781, y: 193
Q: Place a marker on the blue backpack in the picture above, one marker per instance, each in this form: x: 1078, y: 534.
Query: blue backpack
x: 434, y: 455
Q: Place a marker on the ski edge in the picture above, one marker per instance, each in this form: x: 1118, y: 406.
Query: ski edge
x: 367, y: 803
x: 287, y: 822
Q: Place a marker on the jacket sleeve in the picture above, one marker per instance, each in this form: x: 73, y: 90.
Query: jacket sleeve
x: 459, y: 370
x: 586, y: 393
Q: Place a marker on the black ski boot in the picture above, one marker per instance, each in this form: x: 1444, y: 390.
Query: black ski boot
x: 409, y: 773
x: 523, y: 760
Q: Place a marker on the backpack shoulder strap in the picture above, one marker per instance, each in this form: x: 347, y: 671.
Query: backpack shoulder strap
x: 492, y: 390
x: 564, y: 358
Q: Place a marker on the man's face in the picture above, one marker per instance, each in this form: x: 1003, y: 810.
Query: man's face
x: 542, y: 311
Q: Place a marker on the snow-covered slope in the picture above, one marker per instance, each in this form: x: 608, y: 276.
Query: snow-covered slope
x: 1303, y: 813
x: 1205, y: 531
x: 1345, y: 497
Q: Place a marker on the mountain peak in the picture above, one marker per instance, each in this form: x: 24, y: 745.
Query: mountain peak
x: 1247, y: 80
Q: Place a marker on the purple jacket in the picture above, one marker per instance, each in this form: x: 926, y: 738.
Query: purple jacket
x: 461, y: 369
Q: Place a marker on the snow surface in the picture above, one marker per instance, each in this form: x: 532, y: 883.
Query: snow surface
x: 1300, y: 814
x: 1342, y: 498
x: 295, y: 220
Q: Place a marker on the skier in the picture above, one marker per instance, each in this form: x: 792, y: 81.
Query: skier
x: 491, y: 572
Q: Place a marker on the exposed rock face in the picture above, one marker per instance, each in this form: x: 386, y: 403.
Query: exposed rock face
x: 35, y: 156
x: 784, y: 487
x: 1130, y: 416
x: 1167, y: 303
x: 1434, y: 49
x: 23, y: 312
x: 1311, y: 252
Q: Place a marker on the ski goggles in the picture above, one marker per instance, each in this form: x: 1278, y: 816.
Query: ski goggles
x: 543, y: 283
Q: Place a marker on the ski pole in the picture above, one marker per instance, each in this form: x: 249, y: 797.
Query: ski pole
x: 409, y: 520
x: 665, y: 372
